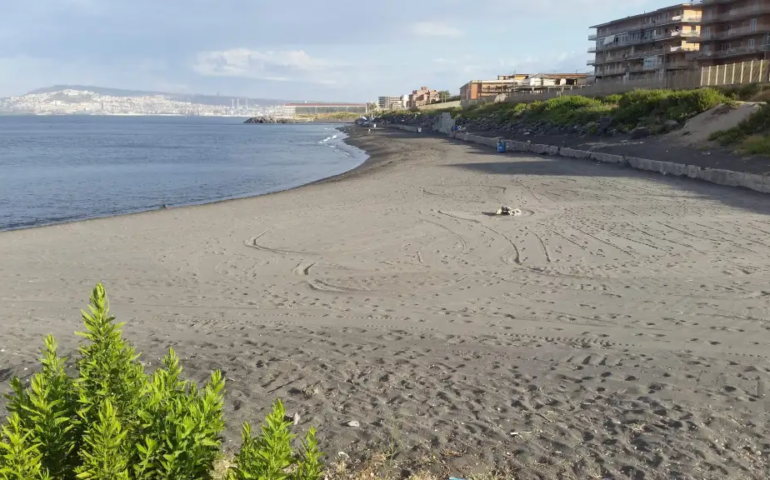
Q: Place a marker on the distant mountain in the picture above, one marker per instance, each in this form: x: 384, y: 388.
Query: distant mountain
x: 181, y: 97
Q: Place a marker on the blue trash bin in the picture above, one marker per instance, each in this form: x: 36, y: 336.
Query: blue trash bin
x: 501, y: 146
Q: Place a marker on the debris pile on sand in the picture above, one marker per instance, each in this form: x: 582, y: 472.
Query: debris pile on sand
x: 513, y: 212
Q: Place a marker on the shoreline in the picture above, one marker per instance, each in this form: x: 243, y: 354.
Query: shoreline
x: 202, y: 204
x: 617, y: 328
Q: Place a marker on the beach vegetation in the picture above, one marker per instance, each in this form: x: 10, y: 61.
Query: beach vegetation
x: 112, y: 420
x: 641, y: 107
x: 650, y: 106
x: 751, y: 135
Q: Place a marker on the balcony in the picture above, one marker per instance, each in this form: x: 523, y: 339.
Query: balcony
x: 734, y: 52
x: 646, y: 25
x: 732, y: 33
x: 680, y: 65
x: 591, y: 49
x: 652, y: 39
x: 734, y: 13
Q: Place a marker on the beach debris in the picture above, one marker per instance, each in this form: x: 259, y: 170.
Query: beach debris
x: 354, y: 424
x: 311, y: 391
x: 294, y: 419
x: 513, y: 212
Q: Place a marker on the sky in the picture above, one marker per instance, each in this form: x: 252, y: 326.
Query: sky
x: 322, y: 50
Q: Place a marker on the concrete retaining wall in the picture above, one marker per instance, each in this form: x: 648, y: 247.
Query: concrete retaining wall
x: 607, y: 158
x: 758, y: 183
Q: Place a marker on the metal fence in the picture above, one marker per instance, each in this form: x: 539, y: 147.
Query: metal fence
x: 755, y: 71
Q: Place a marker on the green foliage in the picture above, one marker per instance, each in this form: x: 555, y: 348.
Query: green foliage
x: 109, y: 368
x: 48, y: 411
x: 21, y: 458
x: 270, y: 455
x: 105, y: 454
x: 756, y: 124
x: 757, y: 145
x: 612, y: 99
x: 115, y: 422
x: 661, y: 105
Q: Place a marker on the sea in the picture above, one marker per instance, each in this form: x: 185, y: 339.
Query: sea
x: 56, y: 169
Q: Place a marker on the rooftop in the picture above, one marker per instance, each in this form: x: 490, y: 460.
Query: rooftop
x: 640, y: 15
x: 532, y: 75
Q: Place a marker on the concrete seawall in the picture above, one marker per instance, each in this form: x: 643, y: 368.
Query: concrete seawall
x: 758, y: 183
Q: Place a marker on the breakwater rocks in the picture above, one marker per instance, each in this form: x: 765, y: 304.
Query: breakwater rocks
x: 270, y: 120
x: 604, y: 126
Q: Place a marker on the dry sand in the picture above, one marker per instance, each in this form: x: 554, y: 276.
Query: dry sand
x: 619, y: 329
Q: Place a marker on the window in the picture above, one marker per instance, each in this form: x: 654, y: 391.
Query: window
x: 725, y: 46
x: 753, y: 25
x: 752, y: 43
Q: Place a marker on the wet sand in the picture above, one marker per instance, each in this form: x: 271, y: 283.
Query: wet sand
x: 618, y: 329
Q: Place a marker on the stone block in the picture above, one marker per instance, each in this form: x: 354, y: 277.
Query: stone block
x: 607, y: 157
x: 726, y: 177
x: 669, y: 168
x: 758, y: 183
x: 572, y: 153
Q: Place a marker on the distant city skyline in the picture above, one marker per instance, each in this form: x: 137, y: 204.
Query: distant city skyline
x: 298, y: 49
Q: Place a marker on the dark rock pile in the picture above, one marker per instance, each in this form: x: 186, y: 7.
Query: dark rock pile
x: 270, y: 120
x: 604, y: 126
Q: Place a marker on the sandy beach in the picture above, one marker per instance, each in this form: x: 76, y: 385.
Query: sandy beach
x: 620, y: 328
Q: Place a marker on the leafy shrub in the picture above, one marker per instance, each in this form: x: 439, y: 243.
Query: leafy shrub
x: 114, y: 421
x: 757, y: 145
x: 270, y: 456
x: 613, y: 99
x: 752, y: 132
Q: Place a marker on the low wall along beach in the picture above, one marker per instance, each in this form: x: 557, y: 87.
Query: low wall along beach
x: 758, y: 183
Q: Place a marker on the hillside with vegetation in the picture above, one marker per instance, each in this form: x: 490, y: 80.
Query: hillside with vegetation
x: 639, y: 112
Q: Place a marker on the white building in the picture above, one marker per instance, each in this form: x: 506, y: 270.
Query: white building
x: 393, y: 103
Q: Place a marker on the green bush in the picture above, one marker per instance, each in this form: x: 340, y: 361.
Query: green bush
x: 613, y: 99
x: 752, y: 132
x: 114, y: 421
x: 757, y: 145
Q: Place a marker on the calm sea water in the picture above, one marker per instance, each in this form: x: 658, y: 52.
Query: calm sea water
x: 59, y: 169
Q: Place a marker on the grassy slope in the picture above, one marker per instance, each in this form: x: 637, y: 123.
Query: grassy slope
x: 649, y: 107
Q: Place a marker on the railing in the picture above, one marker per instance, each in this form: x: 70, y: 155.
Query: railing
x: 651, y: 39
x: 591, y: 49
x: 730, y: 52
x: 733, y: 32
x: 641, y: 26
x: 735, y: 13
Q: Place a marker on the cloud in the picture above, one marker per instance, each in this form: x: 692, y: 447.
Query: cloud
x: 279, y: 66
x: 435, y: 29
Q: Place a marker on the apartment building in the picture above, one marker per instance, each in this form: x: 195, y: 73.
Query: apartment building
x: 423, y: 96
x: 393, y: 103
x: 646, y: 44
x: 734, y: 31
x: 505, y: 84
